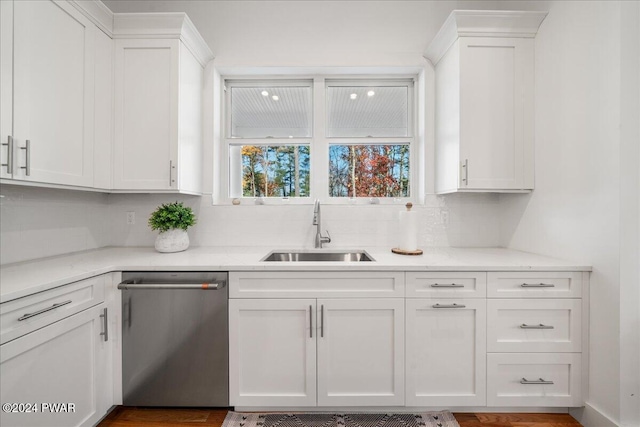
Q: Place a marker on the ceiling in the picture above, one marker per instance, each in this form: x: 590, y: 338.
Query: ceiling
x: 332, y: 33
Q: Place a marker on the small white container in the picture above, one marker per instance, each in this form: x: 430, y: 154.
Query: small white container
x: 176, y: 240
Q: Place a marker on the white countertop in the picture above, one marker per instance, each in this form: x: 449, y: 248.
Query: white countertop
x: 25, y: 278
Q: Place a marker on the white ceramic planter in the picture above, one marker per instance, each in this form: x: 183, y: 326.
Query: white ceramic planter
x: 175, y: 240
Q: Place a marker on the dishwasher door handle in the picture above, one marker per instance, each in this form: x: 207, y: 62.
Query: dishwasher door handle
x: 130, y: 285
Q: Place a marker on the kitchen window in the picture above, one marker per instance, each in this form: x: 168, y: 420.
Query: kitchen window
x: 339, y: 140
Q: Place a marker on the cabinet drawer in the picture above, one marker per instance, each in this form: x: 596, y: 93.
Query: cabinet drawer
x: 320, y: 284
x: 538, y: 284
x: 24, y: 315
x: 537, y: 326
x: 450, y: 284
x: 542, y: 379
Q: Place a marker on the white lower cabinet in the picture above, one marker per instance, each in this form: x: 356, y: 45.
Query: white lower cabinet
x: 272, y: 349
x: 446, y: 352
x: 361, y: 352
x: 59, y: 370
x: 358, y: 345
x: 534, y: 325
x: 415, y: 339
x: 534, y: 379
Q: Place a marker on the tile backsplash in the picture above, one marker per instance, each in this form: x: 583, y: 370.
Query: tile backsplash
x: 41, y: 222
x: 45, y: 222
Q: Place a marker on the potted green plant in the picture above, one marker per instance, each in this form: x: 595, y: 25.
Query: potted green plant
x: 172, y: 220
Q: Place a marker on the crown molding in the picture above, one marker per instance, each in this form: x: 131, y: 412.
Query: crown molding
x: 483, y: 23
x: 97, y: 12
x: 172, y: 25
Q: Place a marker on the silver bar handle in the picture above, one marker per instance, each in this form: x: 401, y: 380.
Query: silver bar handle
x: 106, y: 324
x: 538, y: 285
x: 322, y: 321
x: 310, y: 321
x: 44, y: 310
x: 171, y: 168
x: 465, y: 172
x: 27, y: 166
x: 540, y: 326
x: 126, y: 285
x: 448, y: 285
x: 538, y: 381
x: 128, y: 313
x: 454, y: 305
x: 9, y: 163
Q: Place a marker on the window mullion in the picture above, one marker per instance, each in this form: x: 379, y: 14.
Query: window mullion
x: 320, y: 146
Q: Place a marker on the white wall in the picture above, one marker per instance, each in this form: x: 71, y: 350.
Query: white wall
x: 472, y: 221
x: 576, y: 210
x: 264, y: 33
x: 581, y: 207
x: 40, y: 222
x: 312, y: 33
x: 290, y: 36
x: 630, y: 216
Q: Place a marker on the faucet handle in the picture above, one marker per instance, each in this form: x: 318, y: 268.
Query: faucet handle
x: 328, y: 237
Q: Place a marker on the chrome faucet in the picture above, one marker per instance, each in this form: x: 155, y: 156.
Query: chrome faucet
x: 317, y: 221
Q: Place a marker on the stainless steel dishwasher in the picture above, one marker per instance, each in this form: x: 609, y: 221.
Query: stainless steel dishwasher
x: 175, y: 339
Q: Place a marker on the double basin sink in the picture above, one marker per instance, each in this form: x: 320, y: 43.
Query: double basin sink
x: 318, y: 256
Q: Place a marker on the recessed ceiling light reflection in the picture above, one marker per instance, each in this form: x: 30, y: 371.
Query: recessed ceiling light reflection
x: 264, y: 93
x: 353, y: 96
x: 371, y: 93
x: 275, y: 97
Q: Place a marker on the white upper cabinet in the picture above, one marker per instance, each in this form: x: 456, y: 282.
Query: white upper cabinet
x: 6, y: 89
x: 159, y: 66
x: 484, y: 67
x: 48, y: 58
x: 100, y: 100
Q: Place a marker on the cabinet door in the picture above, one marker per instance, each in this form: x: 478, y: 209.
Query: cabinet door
x: 361, y: 352
x: 496, y: 123
x: 446, y: 352
x: 146, y: 114
x: 6, y: 89
x: 59, y: 364
x: 53, y: 93
x: 272, y: 352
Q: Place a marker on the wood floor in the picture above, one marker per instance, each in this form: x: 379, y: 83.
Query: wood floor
x: 152, y: 417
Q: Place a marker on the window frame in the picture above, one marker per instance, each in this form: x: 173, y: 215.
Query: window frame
x: 319, y: 142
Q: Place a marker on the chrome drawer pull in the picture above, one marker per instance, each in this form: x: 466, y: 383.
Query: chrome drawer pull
x: 106, y: 324
x: 454, y: 305
x: 452, y: 285
x: 27, y: 159
x: 44, y: 310
x: 538, y: 381
x: 126, y: 285
x: 310, y: 321
x: 538, y: 285
x: 9, y: 163
x: 540, y: 326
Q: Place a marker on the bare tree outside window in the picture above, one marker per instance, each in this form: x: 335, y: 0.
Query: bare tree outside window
x: 275, y: 171
x: 369, y: 170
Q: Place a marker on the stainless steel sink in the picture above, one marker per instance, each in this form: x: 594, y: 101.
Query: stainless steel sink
x: 314, y: 256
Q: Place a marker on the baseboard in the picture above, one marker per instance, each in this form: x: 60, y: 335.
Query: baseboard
x: 405, y: 409
x: 589, y: 416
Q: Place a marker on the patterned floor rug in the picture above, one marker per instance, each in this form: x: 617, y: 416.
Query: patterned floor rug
x: 310, y: 419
